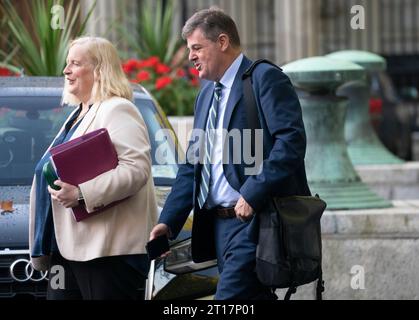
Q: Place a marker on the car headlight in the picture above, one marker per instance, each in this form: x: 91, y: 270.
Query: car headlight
x: 180, y: 261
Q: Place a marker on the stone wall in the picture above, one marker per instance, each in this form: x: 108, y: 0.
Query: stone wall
x: 394, y: 181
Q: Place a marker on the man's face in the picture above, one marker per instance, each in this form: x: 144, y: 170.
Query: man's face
x: 206, y: 56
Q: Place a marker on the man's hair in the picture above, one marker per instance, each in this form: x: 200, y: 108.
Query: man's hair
x: 110, y: 80
x: 212, y: 22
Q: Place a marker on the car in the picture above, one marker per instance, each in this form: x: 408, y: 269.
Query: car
x: 30, y: 116
x: 390, y: 116
x: 394, y: 103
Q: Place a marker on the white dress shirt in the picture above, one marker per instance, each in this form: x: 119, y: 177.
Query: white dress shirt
x: 220, y: 191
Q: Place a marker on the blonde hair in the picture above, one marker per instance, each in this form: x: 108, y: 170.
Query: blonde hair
x: 110, y: 80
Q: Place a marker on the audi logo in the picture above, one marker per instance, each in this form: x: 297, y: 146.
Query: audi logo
x: 22, y: 270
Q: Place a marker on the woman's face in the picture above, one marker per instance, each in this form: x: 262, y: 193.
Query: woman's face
x: 79, y: 75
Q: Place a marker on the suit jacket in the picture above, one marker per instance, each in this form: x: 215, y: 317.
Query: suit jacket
x: 284, y: 145
x: 125, y: 227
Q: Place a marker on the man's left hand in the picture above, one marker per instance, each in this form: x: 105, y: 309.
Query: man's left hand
x: 67, y: 196
x: 243, y: 210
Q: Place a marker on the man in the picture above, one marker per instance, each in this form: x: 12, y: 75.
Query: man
x: 224, y: 198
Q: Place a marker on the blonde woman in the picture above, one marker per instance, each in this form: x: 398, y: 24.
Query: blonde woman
x: 103, y: 256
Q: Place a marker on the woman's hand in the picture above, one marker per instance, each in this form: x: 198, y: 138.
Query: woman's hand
x: 67, y: 196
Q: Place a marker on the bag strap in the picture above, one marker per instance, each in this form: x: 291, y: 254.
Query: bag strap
x: 252, y: 113
x: 290, y: 291
x: 320, y: 286
x: 253, y: 122
x: 320, y: 281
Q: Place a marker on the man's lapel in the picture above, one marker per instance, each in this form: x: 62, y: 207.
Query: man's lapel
x: 236, y: 92
x: 203, y: 107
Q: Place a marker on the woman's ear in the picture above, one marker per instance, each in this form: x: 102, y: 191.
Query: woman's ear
x: 96, y: 74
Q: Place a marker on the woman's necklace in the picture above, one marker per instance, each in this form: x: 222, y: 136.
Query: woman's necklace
x: 80, y: 116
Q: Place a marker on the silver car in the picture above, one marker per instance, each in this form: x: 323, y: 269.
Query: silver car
x: 30, y: 116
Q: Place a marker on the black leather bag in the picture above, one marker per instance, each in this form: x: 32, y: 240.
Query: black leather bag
x: 289, y: 250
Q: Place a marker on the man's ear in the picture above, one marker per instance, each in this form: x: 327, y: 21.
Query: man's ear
x: 224, y: 41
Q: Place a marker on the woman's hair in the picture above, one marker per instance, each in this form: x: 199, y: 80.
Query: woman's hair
x: 110, y: 80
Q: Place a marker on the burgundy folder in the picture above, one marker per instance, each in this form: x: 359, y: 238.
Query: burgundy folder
x: 83, y: 159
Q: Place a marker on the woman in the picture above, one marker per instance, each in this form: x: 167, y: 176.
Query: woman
x: 103, y: 256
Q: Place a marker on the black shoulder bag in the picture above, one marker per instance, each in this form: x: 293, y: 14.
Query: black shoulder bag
x: 289, y: 250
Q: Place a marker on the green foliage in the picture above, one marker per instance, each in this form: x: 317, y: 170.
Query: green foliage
x: 42, y: 50
x: 154, y: 35
x: 162, y: 64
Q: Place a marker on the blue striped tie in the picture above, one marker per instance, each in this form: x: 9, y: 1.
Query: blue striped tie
x: 209, y: 141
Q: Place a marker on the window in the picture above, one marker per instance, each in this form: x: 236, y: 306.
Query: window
x: 29, y: 124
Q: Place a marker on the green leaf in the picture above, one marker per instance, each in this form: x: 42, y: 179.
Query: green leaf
x: 155, y: 35
x: 42, y: 50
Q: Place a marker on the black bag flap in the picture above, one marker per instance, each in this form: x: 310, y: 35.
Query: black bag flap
x: 299, y: 210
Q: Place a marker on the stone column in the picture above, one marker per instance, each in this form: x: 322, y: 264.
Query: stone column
x: 297, y: 27
x: 330, y: 172
x: 364, y: 146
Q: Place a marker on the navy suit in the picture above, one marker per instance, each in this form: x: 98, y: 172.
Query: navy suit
x: 283, y: 174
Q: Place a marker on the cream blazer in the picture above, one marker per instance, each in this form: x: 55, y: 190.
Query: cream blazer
x: 125, y: 227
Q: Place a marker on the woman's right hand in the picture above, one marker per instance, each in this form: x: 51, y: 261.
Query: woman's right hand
x: 67, y: 196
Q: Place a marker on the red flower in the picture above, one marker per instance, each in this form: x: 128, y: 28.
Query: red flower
x: 194, y: 72
x: 143, y: 76
x: 171, y: 87
x: 130, y: 65
x: 161, y: 68
x: 126, y: 69
x: 163, y: 82
x: 180, y: 73
x: 150, y: 62
x: 141, y: 64
x: 4, y: 72
x: 194, y: 82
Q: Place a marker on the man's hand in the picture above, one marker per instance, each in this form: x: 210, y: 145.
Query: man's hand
x: 67, y: 196
x: 159, y: 230
x: 243, y: 210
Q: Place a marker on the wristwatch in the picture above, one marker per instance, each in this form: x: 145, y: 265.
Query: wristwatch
x: 80, y: 198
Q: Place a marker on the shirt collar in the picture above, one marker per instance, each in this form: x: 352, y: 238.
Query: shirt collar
x: 229, y: 76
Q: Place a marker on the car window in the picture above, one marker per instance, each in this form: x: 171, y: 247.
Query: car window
x: 27, y: 129
x: 168, y: 167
